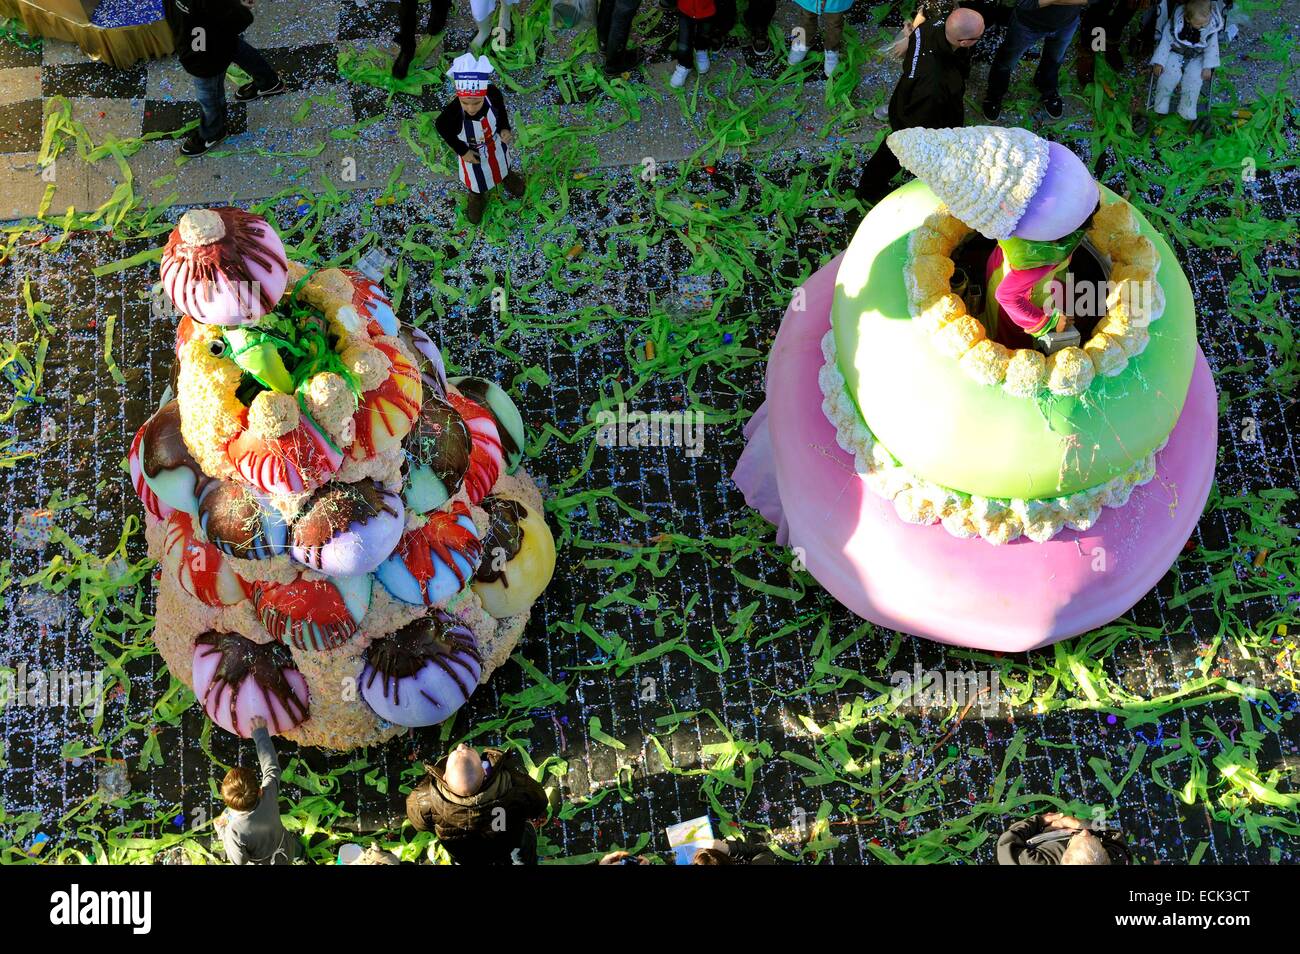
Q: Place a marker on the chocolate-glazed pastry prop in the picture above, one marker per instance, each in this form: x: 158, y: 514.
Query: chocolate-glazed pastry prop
x: 310, y: 486
x: 518, y: 557
x: 168, y: 468
x: 347, y: 529
x: 224, y: 266
x: 237, y: 680
x: 437, y: 456
x: 510, y: 425
x: 423, y: 673
x: 239, y: 521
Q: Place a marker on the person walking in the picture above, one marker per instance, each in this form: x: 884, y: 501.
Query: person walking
x: 930, y: 92
x: 476, y: 126
x: 208, y: 38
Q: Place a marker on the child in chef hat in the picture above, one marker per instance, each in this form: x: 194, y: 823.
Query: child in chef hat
x: 476, y: 126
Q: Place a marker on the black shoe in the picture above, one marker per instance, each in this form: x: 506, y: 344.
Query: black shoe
x: 992, y: 110
x: 629, y: 61
x: 1054, y: 105
x: 194, y: 144
x: 761, y: 46
x: 251, y: 91
x: 402, y: 65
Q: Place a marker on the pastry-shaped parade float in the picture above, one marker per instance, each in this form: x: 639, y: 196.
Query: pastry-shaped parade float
x: 347, y: 544
x: 988, y: 421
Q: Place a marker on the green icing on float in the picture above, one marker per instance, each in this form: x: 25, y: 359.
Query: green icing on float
x: 958, y: 433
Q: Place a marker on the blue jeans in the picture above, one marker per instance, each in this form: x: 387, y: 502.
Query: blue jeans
x: 1020, y: 38
x: 211, y: 90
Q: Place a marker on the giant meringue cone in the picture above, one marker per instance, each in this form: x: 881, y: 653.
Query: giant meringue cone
x: 985, y: 175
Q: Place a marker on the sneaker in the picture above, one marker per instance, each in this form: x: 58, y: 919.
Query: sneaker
x: 701, y: 61
x: 797, y: 53
x: 832, y: 61
x: 761, y: 46
x: 251, y: 91
x: 1054, y: 105
x: 992, y: 110
x: 678, y: 79
x: 402, y: 65
x: 194, y: 144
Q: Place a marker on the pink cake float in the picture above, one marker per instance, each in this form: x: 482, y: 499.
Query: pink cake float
x: 882, y: 445
x: 312, y: 494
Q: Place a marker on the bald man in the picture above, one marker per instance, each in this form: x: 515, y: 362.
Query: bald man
x: 1058, y: 839
x: 930, y: 92
x: 481, y: 806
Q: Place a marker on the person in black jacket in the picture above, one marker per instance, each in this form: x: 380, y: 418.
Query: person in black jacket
x: 481, y: 807
x: 208, y: 39
x: 613, y: 26
x: 406, y: 21
x: 1103, y: 21
x: 477, y: 128
x: 1057, y: 839
x: 929, y: 93
x: 734, y: 853
x: 1051, y: 21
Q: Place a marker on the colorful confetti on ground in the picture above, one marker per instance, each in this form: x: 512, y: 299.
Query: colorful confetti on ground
x: 680, y: 662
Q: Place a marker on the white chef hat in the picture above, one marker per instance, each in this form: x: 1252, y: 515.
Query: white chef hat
x: 471, y: 74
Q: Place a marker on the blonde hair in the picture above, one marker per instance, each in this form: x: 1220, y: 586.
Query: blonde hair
x: 1201, y: 8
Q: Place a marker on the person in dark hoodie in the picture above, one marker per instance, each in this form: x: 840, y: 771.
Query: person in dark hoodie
x: 1057, y: 839
x: 930, y: 92
x: 208, y: 39
x: 480, y: 806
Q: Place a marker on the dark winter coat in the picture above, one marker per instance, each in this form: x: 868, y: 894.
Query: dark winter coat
x: 486, y: 828
x: 206, y: 33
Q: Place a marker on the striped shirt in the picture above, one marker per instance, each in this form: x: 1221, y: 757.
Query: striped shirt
x: 481, y: 133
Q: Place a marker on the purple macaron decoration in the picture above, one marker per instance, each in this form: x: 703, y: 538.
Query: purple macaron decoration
x: 347, y: 529
x: 423, y: 673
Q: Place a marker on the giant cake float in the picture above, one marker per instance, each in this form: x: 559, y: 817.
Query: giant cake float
x: 347, y: 545
x: 939, y: 482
